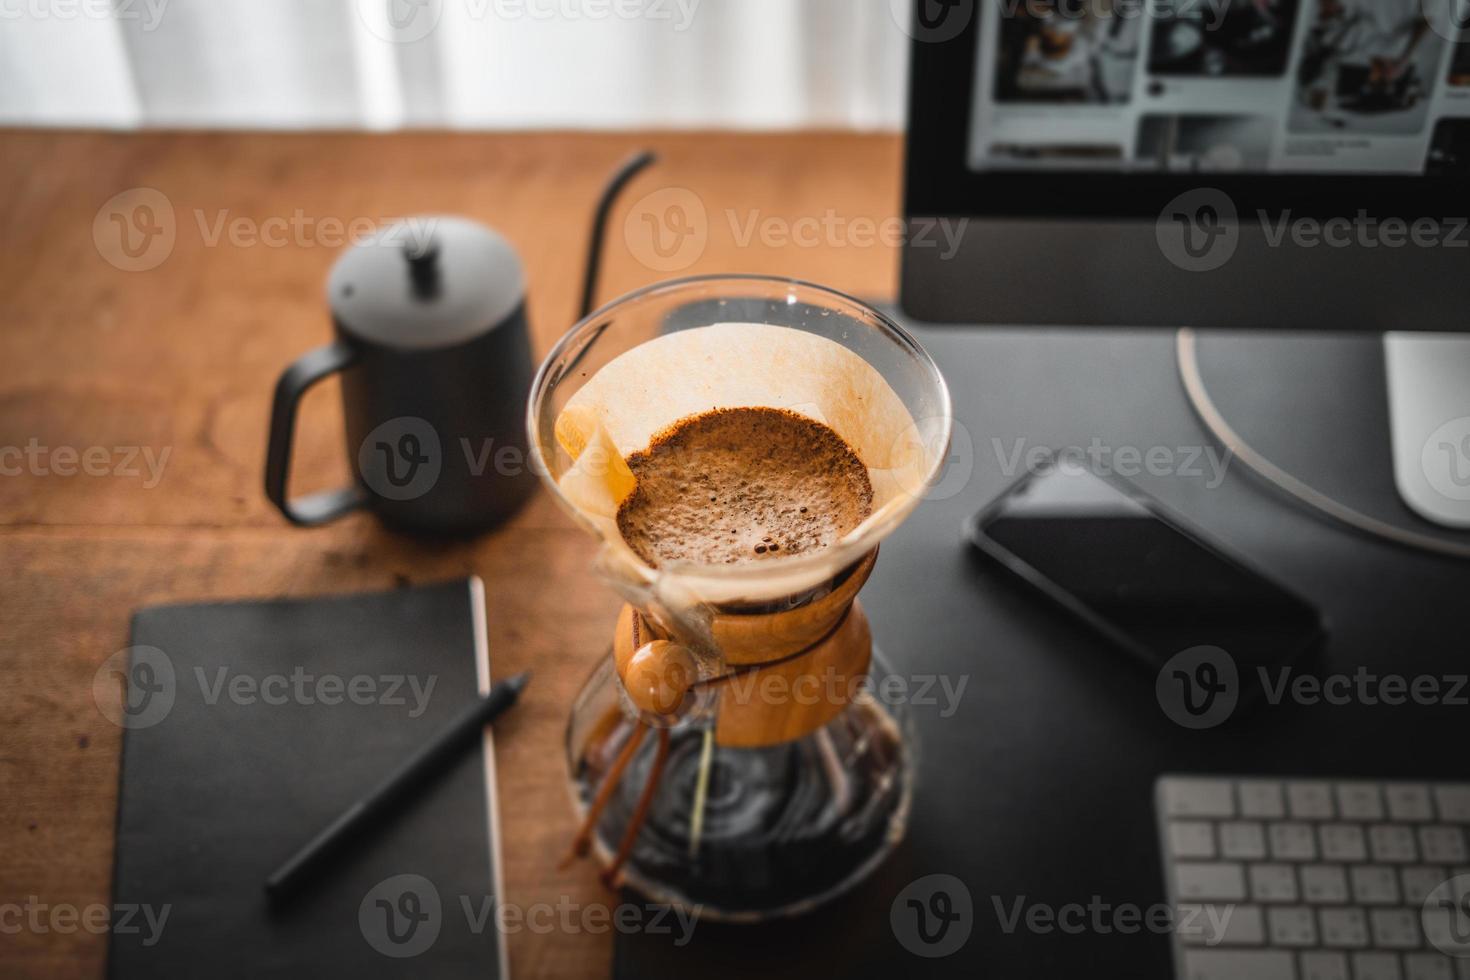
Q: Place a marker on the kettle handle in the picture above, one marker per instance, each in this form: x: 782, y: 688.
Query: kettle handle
x: 318, y: 508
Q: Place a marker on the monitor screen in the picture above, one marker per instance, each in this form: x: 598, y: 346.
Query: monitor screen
x: 1305, y: 87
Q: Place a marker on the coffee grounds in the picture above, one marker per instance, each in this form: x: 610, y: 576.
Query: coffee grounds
x: 743, y: 484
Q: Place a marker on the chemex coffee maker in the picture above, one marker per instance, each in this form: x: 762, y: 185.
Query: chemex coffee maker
x: 732, y: 754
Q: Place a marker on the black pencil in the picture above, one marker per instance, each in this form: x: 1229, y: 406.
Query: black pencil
x: 444, y: 747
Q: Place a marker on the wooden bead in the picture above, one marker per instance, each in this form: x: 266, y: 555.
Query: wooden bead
x: 658, y: 676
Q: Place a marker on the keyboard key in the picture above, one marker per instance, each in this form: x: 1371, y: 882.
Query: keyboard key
x: 1209, y: 881
x: 1222, y: 925
x: 1447, y: 924
x: 1359, y: 801
x: 1325, y: 884
x: 1343, y: 842
x: 1390, y: 843
x: 1310, y: 801
x: 1192, y: 839
x: 1419, y: 882
x: 1235, y: 964
x: 1320, y: 965
x: 1408, y: 802
x: 1445, y: 844
x: 1292, y: 926
x: 1243, y: 840
x: 1376, y: 966
x: 1273, y: 883
x: 1197, y: 798
x: 1394, y: 928
x: 1262, y: 799
x: 1292, y: 842
x: 1375, y: 885
x: 1343, y: 928
x: 1325, y: 966
x: 1428, y: 966
x: 1453, y: 803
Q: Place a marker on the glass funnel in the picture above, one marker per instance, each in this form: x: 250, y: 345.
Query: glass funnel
x: 730, y: 755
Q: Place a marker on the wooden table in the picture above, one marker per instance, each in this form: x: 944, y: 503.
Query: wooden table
x: 181, y: 358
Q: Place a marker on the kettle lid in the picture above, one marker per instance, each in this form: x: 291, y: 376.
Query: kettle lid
x: 426, y: 282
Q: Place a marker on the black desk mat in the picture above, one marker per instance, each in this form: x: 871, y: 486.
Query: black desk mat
x: 1038, y: 789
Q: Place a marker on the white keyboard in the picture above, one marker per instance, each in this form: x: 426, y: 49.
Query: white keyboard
x: 1311, y: 879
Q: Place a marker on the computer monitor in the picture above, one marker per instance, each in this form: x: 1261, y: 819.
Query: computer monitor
x: 1276, y: 164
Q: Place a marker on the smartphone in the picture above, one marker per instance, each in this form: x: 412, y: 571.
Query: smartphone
x: 1120, y: 562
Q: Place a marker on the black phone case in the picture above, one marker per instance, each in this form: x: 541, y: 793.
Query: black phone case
x: 1024, y: 572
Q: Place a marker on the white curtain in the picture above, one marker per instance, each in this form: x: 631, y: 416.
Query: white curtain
x: 497, y: 64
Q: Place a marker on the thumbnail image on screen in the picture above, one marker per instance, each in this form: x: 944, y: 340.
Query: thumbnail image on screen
x: 1460, y: 66
x: 1205, y: 144
x: 1449, y: 153
x: 1368, y: 67
x: 1228, y: 38
x: 1065, y: 51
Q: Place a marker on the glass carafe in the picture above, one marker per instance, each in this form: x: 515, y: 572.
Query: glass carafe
x: 732, y: 754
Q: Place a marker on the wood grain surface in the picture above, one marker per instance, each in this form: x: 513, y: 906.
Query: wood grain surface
x: 133, y: 409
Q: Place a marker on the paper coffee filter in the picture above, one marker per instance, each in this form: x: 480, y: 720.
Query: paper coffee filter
x: 655, y: 385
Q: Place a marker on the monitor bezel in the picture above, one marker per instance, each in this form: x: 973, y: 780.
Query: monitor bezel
x: 939, y: 182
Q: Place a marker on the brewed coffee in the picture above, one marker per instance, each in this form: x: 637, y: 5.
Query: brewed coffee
x: 743, y: 484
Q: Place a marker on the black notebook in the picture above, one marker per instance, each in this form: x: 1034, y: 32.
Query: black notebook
x: 249, y: 727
